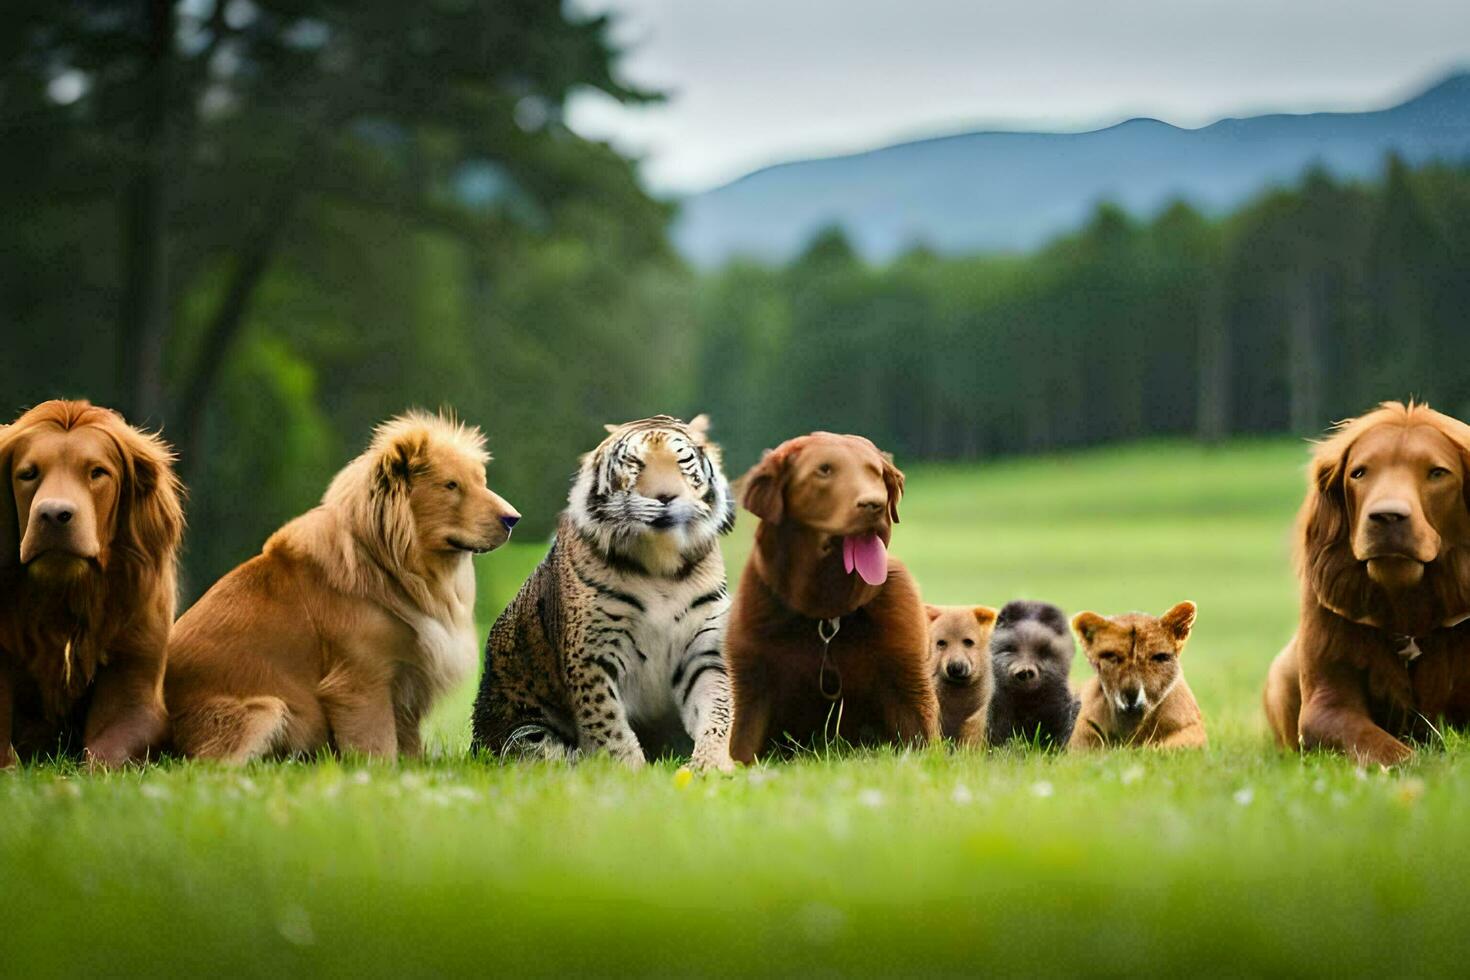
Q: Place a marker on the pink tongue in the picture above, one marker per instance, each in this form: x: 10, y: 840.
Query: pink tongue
x: 867, y: 555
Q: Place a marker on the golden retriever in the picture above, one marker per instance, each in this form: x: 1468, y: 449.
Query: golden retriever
x: 354, y: 617
x: 1383, y: 554
x: 90, y: 522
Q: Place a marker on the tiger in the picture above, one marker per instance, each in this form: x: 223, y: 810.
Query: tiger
x: 614, y: 642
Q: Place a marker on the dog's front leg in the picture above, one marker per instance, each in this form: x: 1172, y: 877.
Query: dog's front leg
x: 750, y: 728
x: 360, y: 715
x: 911, y: 708
x: 7, y: 708
x: 1335, y: 716
x: 126, y: 717
x: 602, y: 720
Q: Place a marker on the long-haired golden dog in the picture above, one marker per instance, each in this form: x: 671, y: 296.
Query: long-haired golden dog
x: 1383, y: 553
x: 90, y: 522
x: 354, y: 617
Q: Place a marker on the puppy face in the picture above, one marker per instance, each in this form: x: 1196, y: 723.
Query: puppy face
x: 1136, y: 656
x: 959, y: 644
x: 66, y: 489
x: 1029, y: 656
x: 453, y: 508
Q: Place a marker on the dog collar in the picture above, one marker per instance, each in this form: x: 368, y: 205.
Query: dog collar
x: 1409, y: 648
x: 826, y: 632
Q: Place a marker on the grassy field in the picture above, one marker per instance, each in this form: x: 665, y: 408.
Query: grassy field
x: 1237, y: 861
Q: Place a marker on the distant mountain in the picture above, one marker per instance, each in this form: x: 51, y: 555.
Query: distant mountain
x: 1009, y: 191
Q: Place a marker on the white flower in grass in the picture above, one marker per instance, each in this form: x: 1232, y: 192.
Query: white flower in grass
x: 1245, y: 796
x: 362, y: 777
x: 962, y: 795
x: 294, y: 925
x: 154, y: 791
x: 1042, y: 789
x: 870, y: 798
x: 1131, y: 775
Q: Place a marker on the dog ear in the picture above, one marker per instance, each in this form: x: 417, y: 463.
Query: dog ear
x: 763, y: 488
x: 9, y: 520
x: 933, y: 612
x: 893, y: 481
x: 151, y: 519
x: 395, y: 464
x: 984, y: 615
x: 1179, y: 620
x: 1086, y: 626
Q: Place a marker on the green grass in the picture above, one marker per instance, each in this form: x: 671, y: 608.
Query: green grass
x: 1240, y: 860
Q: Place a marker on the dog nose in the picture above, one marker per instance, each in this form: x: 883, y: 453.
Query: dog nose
x: 56, y: 511
x: 510, y: 520
x: 1389, y: 512
x: 957, y: 670
x: 1024, y: 673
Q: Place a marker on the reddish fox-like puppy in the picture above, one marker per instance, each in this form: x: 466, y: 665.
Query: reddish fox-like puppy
x: 959, y: 659
x: 1139, y: 696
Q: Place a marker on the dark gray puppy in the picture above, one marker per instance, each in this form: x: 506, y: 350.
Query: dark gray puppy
x: 1031, y: 654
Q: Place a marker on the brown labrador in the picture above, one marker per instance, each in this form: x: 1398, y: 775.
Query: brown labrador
x: 1383, y: 555
x: 90, y: 523
x: 827, y: 634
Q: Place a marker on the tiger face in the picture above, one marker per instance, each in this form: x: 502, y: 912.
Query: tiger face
x: 653, y: 493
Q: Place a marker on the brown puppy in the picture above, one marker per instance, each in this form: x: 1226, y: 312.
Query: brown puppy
x: 1139, y: 696
x: 1383, y: 554
x: 354, y: 617
x: 821, y: 570
x: 959, y: 661
x: 90, y: 522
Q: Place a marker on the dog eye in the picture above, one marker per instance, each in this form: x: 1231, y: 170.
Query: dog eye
x: 1111, y: 658
x: 29, y: 473
x: 942, y: 644
x: 98, y: 473
x: 451, y: 485
x: 824, y: 470
x: 1359, y: 473
x: 968, y: 642
x: 1438, y: 472
x: 1162, y: 658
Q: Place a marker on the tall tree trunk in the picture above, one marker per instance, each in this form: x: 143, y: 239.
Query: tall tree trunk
x: 143, y: 330
x: 1216, y: 368
x: 224, y: 327
x: 1305, y: 356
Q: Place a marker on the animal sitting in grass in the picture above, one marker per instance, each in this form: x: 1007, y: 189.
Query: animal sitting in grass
x: 1139, y: 696
x: 959, y: 657
x: 1031, y: 654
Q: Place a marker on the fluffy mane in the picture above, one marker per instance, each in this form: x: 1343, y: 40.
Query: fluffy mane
x: 371, y: 497
x: 1324, y: 555
x: 62, y: 633
x: 619, y: 523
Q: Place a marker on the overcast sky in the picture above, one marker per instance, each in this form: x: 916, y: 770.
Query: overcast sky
x: 754, y: 82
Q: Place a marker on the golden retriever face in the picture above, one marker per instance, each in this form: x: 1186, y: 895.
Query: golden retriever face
x: 1136, y: 656
x: 1391, y: 487
x: 835, y: 484
x: 959, y: 643
x: 454, y: 510
x: 419, y: 492
x: 82, y: 485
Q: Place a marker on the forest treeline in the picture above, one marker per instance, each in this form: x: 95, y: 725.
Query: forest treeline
x: 264, y: 227
x: 1305, y: 306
